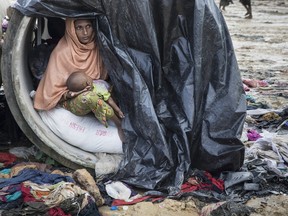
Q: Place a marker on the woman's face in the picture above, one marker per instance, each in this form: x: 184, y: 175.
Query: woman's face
x: 84, y: 31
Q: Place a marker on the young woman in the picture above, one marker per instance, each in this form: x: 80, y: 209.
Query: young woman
x: 76, y: 51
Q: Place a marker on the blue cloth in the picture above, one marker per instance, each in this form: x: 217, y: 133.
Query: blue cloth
x: 14, y: 196
x: 10, y: 193
x: 11, y: 189
x: 6, y: 171
x: 36, y: 176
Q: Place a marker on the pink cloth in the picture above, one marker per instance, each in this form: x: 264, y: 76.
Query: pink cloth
x: 253, y: 135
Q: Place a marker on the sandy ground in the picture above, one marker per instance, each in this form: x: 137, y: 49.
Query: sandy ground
x: 261, y: 47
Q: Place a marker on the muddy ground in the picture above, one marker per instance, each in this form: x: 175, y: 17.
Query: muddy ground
x: 261, y: 47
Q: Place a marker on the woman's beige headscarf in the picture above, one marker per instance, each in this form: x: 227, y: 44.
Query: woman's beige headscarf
x: 68, y: 56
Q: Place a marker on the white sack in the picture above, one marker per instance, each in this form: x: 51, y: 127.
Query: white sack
x: 84, y: 132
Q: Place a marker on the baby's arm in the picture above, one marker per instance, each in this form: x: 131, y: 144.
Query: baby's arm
x: 74, y: 94
x: 116, y: 109
x: 70, y: 94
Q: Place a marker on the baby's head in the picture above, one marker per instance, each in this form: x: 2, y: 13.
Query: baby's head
x: 77, y: 81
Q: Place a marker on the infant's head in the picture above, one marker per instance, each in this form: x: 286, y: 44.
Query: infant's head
x: 77, y: 81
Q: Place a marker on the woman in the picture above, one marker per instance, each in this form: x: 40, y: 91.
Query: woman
x: 76, y: 51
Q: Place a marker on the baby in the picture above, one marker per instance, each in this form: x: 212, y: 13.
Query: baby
x: 81, y: 82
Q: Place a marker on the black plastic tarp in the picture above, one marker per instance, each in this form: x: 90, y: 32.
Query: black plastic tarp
x: 177, y: 80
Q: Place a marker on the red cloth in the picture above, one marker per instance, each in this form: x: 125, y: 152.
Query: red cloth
x: 7, y: 158
x: 187, y: 187
x: 218, y: 183
x: 57, y: 212
x: 27, y: 196
x: 209, y: 183
x: 118, y: 202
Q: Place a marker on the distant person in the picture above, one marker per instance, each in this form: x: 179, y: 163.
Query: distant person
x: 92, y: 91
x: 224, y: 3
x: 245, y: 3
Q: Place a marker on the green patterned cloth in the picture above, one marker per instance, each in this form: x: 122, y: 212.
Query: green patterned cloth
x: 91, y: 101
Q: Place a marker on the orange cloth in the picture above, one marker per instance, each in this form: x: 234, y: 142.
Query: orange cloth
x: 68, y: 56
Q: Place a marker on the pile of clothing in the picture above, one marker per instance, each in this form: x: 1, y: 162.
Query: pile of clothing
x: 32, y: 188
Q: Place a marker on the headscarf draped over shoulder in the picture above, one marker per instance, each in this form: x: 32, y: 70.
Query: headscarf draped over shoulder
x: 68, y: 56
